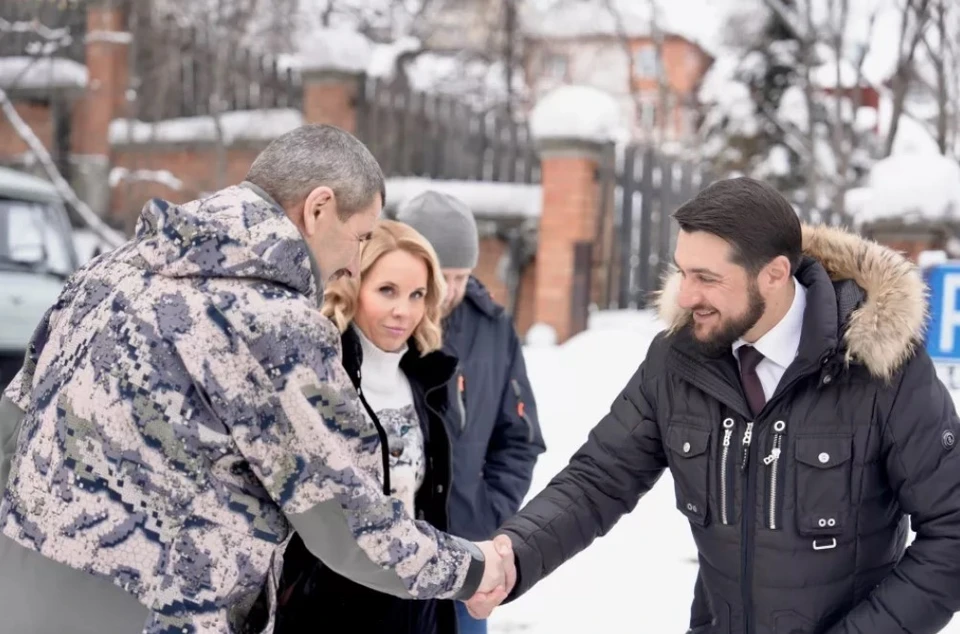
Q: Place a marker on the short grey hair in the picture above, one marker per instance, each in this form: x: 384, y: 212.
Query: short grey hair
x: 317, y: 155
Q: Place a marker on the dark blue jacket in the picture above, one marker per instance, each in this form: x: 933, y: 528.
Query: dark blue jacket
x: 498, y: 439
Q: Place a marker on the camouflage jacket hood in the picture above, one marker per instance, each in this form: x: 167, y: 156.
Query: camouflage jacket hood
x: 184, y: 405
x: 235, y: 233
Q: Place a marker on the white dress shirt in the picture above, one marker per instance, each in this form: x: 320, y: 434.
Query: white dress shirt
x: 780, y: 344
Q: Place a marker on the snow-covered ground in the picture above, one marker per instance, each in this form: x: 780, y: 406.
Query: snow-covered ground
x: 639, y: 578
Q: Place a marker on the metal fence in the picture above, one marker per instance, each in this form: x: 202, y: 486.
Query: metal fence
x: 637, y: 233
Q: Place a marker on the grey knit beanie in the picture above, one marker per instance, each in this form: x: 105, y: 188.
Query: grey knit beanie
x: 447, y: 224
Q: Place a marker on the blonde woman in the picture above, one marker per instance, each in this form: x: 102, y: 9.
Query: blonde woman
x: 390, y: 320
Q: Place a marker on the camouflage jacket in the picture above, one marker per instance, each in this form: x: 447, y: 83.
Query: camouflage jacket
x: 184, y: 406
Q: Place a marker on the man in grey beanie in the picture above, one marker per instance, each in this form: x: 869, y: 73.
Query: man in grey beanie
x: 498, y: 440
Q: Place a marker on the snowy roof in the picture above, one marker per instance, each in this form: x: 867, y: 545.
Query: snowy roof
x: 31, y: 73
x: 911, y: 187
x: 242, y: 125
x: 487, y: 200
x: 694, y: 20
x: 577, y: 112
x: 334, y: 49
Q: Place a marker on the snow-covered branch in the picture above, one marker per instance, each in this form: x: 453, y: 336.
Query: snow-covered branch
x: 25, y: 132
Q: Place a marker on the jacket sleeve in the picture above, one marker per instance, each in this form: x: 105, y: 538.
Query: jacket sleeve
x: 515, y: 444
x: 15, y: 400
x: 919, y: 440
x: 279, y: 387
x: 620, y: 461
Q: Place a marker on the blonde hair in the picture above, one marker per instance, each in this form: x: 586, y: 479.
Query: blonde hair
x: 341, y: 297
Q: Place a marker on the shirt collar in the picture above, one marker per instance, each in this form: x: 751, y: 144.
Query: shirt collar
x: 781, y: 343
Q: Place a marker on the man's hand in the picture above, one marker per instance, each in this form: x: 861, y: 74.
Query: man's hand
x: 499, y: 555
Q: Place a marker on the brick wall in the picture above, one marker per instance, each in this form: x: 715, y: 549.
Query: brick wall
x: 194, y: 164
x: 38, y: 116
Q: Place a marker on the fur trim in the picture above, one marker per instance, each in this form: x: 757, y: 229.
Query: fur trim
x: 883, y: 332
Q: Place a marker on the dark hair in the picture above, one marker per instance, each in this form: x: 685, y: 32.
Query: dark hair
x: 757, y: 221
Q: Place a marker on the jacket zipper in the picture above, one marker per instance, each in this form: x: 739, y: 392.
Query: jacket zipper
x: 773, y: 461
x: 461, y: 388
x: 747, y: 524
x: 449, y: 483
x: 725, y: 472
x: 747, y: 438
x: 381, y: 432
x: 521, y: 409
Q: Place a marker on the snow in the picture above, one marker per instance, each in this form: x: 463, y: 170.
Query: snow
x: 912, y: 136
x: 164, y: 177
x: 242, y: 125
x: 577, y: 112
x: 24, y: 72
x: 486, y: 199
x: 113, y: 37
x: 640, y: 576
x: 777, y: 162
x: 911, y: 187
x: 695, y: 20
x: 793, y: 107
x: 342, y: 50
x: 540, y: 335
x: 825, y: 75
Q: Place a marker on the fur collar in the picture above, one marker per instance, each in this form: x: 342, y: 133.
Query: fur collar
x: 885, y: 330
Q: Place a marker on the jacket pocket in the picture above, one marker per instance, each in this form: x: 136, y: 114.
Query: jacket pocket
x: 690, y: 468
x: 823, y: 487
x: 720, y: 624
x: 791, y: 622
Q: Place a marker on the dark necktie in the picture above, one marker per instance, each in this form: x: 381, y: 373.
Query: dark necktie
x: 750, y: 357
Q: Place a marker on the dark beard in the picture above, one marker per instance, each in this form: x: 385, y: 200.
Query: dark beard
x: 721, y: 341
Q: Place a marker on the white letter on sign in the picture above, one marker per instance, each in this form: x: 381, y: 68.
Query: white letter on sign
x: 949, y: 313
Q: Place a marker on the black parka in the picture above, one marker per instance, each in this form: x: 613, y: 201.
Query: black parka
x: 809, y: 539
x: 310, y: 592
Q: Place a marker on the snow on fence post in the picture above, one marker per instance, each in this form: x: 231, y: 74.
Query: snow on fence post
x: 331, y: 70
x: 572, y: 126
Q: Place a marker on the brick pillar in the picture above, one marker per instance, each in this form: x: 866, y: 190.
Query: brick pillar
x: 571, y: 148
x: 105, y: 99
x: 568, y: 176
x: 331, y: 96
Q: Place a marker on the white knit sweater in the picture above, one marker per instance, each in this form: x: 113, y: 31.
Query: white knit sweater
x: 388, y: 393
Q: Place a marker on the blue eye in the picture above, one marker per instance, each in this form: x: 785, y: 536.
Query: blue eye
x: 386, y: 290
x: 418, y: 295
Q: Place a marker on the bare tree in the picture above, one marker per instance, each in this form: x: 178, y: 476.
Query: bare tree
x: 917, y: 13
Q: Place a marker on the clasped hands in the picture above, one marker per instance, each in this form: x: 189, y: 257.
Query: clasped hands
x: 499, y: 577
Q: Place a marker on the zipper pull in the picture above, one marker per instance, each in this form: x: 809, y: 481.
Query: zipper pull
x: 747, y: 438
x: 774, y: 455
x: 727, y: 431
x: 778, y: 428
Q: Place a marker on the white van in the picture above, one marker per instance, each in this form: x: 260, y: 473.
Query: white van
x: 37, y: 255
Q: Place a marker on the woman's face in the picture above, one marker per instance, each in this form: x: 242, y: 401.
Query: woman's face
x: 392, y: 299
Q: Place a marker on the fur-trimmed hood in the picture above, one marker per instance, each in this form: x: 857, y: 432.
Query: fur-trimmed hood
x: 884, y: 331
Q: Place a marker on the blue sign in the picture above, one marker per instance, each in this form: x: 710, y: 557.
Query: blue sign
x: 943, y: 330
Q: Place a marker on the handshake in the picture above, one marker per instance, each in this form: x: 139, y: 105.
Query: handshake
x: 499, y: 577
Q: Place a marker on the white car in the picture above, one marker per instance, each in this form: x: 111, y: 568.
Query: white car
x: 37, y: 255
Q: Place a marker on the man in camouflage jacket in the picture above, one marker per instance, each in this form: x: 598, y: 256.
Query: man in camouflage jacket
x: 183, y: 407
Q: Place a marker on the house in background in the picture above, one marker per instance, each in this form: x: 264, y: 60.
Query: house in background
x: 587, y: 43
x: 583, y: 43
